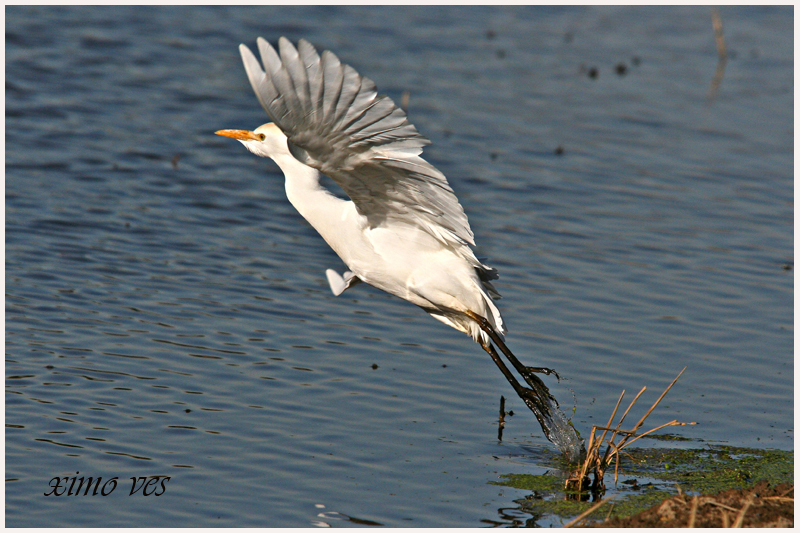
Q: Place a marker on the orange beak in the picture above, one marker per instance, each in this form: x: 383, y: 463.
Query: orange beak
x: 241, y: 135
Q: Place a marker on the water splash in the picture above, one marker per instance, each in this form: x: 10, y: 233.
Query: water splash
x: 555, y: 425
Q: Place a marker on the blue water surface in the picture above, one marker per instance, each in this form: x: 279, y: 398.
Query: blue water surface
x: 167, y: 312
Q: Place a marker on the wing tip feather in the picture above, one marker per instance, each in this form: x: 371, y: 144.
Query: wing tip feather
x: 343, y: 120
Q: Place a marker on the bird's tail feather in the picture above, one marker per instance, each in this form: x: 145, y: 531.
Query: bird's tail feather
x: 493, y: 316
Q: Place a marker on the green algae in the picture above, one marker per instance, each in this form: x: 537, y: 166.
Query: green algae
x: 648, y: 476
x: 723, y: 468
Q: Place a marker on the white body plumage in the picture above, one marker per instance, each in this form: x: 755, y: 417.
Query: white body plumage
x: 399, y: 257
x: 403, y: 231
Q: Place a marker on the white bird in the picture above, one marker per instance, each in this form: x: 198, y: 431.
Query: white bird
x: 403, y: 229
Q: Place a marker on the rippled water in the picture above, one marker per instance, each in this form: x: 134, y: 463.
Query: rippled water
x: 167, y: 312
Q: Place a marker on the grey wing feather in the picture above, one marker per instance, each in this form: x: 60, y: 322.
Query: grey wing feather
x: 336, y: 122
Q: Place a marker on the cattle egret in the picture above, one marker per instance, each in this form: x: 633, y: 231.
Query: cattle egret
x: 403, y: 230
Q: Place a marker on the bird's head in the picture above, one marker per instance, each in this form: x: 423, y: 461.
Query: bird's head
x: 266, y: 141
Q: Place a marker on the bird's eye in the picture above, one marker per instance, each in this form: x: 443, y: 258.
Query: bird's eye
x: 261, y: 136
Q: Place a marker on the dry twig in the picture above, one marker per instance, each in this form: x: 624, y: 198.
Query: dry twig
x: 587, y: 512
x: 693, y: 514
x: 722, y: 52
x: 728, y: 507
x: 596, y: 464
x: 740, y: 517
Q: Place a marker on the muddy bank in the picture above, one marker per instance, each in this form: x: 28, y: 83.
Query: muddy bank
x: 760, y: 506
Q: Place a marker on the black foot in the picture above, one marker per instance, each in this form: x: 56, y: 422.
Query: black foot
x: 538, y: 387
x: 542, y: 370
x: 538, y: 396
x: 537, y: 402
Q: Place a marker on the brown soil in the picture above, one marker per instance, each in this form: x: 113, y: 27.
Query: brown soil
x: 760, y: 506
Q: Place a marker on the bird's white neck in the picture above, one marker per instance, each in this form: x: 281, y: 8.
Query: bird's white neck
x: 315, y: 203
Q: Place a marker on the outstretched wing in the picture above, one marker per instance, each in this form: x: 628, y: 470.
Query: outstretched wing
x: 336, y: 122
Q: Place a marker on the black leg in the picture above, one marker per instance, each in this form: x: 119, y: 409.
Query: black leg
x: 527, y: 372
x: 544, y: 406
x: 537, y: 398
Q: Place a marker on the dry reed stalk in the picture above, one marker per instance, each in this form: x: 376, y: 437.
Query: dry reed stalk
x: 740, y: 517
x: 587, y: 512
x: 693, y: 515
x: 778, y: 498
x: 719, y: 36
x: 622, y: 419
x: 596, y: 464
x: 708, y: 501
x: 592, y: 454
x: 641, y: 420
x: 722, y: 53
